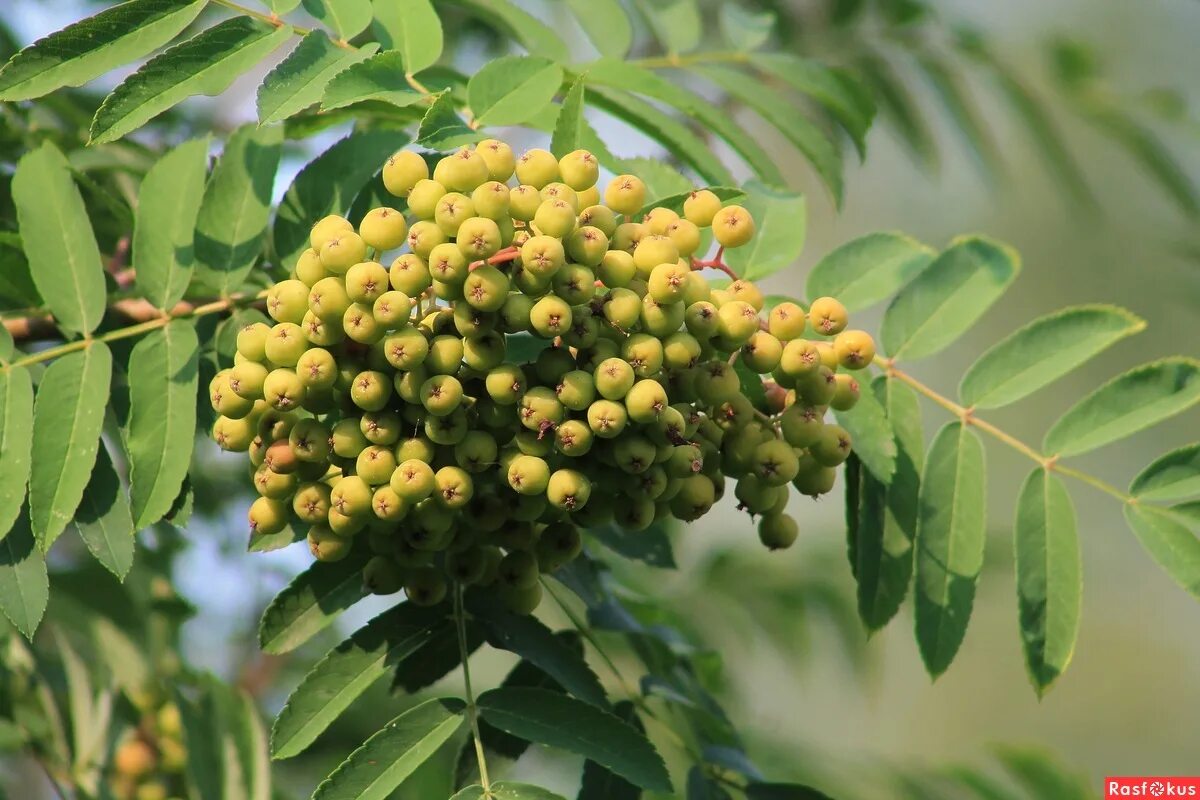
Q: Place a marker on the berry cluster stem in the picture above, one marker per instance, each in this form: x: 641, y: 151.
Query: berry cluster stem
x: 968, y: 416
x: 460, y: 621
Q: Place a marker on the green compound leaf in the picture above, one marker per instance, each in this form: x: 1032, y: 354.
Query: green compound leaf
x: 24, y: 582
x: 16, y: 442
x: 1043, y: 351
x: 348, y: 18
x: 534, y: 35
x: 864, y: 271
x: 570, y: 126
x: 411, y: 27
x: 1049, y: 577
x: 1172, y: 476
x: 373, y: 771
x: 311, y: 601
x: 1129, y: 403
x: 556, y: 720
x: 837, y: 92
x: 64, y: 258
x: 163, y: 380
x: 87, y: 49
x: 442, y: 128
x: 506, y: 790
x: 950, y: 539
x: 871, y: 432
x: 677, y: 24
x: 948, y: 297
x: 606, y: 25
x: 380, y: 77
x: 205, y: 64
x: 236, y: 207
x: 530, y: 639
x: 785, y: 117
x: 652, y: 545
x: 67, y: 417
x: 300, y: 79
x: 104, y: 520
x: 163, y: 234
x: 780, y: 219
x: 885, y: 515
x: 328, y: 185
x: 513, y: 89
x: 1168, y: 535
x: 349, y: 670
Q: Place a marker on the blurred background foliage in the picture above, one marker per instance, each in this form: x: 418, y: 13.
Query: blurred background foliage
x: 1067, y: 129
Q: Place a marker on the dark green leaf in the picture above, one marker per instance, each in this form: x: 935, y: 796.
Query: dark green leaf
x: 1166, y: 536
x: 1171, y: 476
x: 783, y: 791
x: 379, y: 78
x: 606, y: 24
x: 700, y: 787
x: 328, y: 184
x: 311, y: 601
x: 948, y: 297
x: 512, y: 89
x: 348, y: 18
x: 349, y: 670
x: 411, y: 27
x: 373, y: 771
x: 871, y: 268
x: 269, y: 542
x: 205, y: 64
x: 838, y: 93
x: 300, y: 79
x: 651, y: 545
x: 87, y: 49
x: 436, y: 659
x: 24, y: 584
x: 560, y: 721
x: 533, y: 34
x: 950, y: 539
x: 16, y: 281
x: 955, y: 98
x: 868, y: 426
x: 780, y: 222
x: 569, y: 127
x: 64, y: 258
x: 16, y: 441
x: 236, y: 206
x: 600, y: 784
x: 163, y: 235
x: 1049, y: 576
x: 103, y: 518
x: 506, y: 790
x: 67, y: 416
x: 1125, y: 405
x: 1043, y: 351
x: 442, y: 128
x: 163, y: 377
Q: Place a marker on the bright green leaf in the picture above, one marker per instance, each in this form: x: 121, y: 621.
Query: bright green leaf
x: 838, y: 93
x: 780, y: 219
x: 311, y: 601
x: 24, y: 583
x: 1125, y: 405
x: 89, y: 48
x: 950, y: 539
x: 64, y: 258
x: 1049, y: 576
x: 205, y: 64
x: 104, y: 520
x: 606, y: 25
x: 349, y: 670
x: 300, y: 79
x: 16, y: 442
x: 348, y: 18
x: 864, y: 271
x: 67, y: 416
x: 328, y: 185
x: 677, y: 24
x: 411, y: 27
x: 569, y: 127
x: 511, y: 89
x: 550, y: 718
x: 442, y: 128
x: 871, y: 432
x: 163, y: 234
x: 947, y: 298
x: 1172, y: 476
x: 380, y: 77
x: 374, y: 770
x: 236, y: 207
x: 1043, y: 351
x: 746, y: 30
x: 163, y: 376
x: 533, y: 34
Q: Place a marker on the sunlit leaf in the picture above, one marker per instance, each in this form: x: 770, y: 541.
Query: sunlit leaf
x: 16, y: 442
x: 311, y: 601
x: 442, y: 128
x: 746, y: 30
x: 511, y: 89
x: 677, y: 24
x: 380, y: 77
x: 163, y: 235
x: 606, y: 24
x: 780, y: 220
x: 347, y: 17
x: 868, y: 425
x: 104, y: 520
x: 300, y: 79
x: 1172, y: 476
x: 864, y: 271
x: 413, y: 28
x: 569, y: 127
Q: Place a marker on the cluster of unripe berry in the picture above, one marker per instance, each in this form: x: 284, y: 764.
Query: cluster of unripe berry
x: 148, y: 763
x: 390, y: 407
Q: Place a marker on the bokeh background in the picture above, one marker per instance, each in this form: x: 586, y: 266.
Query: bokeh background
x: 815, y: 696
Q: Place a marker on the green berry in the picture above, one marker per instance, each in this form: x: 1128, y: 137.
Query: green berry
x: 402, y: 171
x: 383, y: 229
x: 625, y: 194
x: 732, y: 226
